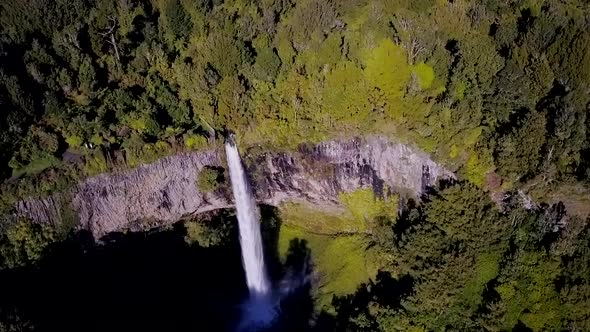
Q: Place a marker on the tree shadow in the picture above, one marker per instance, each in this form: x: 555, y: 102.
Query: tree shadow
x: 291, y: 276
x: 271, y: 228
x: 384, y: 292
x: 296, y: 304
x: 151, y: 281
x: 156, y: 281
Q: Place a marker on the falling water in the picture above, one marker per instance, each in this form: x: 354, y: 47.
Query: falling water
x: 249, y: 224
x: 262, y: 308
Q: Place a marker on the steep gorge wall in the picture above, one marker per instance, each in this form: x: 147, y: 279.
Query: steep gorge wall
x: 164, y: 191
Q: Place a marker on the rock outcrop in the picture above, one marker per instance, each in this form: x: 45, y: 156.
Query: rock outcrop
x: 164, y: 191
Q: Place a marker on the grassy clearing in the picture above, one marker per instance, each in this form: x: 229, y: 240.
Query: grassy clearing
x: 356, y: 216
x: 36, y: 166
x: 339, y: 261
x: 575, y: 196
x: 363, y: 206
x: 312, y: 220
x: 338, y: 240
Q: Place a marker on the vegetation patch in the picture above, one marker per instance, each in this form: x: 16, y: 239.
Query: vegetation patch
x: 205, y: 235
x: 425, y: 74
x: 315, y: 220
x: 210, y: 179
x: 364, y: 207
x: 339, y: 262
x: 36, y: 166
x: 339, y: 239
x: 24, y: 242
x: 357, y: 214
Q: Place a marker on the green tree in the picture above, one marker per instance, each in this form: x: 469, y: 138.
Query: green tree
x: 179, y: 21
x: 267, y: 64
x: 452, y: 253
x: 519, y: 152
x: 387, y: 69
x: 527, y: 293
x: 209, y: 179
x: 24, y: 243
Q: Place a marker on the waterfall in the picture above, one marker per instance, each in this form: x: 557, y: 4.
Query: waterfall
x: 249, y: 224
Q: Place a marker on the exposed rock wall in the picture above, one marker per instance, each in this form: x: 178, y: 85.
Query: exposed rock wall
x: 44, y: 210
x: 166, y: 190
x: 163, y: 191
x: 319, y: 173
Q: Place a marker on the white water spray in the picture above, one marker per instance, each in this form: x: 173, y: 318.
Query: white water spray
x: 263, y: 307
x: 249, y: 224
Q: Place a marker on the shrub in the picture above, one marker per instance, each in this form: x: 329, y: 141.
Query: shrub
x: 364, y: 206
x: 24, y: 242
x: 206, y: 234
x: 209, y: 179
x: 194, y: 142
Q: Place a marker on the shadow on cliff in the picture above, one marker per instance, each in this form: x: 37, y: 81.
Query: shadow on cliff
x: 152, y: 281
x: 291, y: 276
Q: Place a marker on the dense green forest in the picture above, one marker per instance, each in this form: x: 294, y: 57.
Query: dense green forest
x: 457, y: 263
x: 496, y: 90
x: 454, y: 262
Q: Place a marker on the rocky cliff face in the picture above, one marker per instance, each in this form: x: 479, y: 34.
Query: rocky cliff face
x: 163, y: 192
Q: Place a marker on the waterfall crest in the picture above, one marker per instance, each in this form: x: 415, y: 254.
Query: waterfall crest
x: 249, y: 225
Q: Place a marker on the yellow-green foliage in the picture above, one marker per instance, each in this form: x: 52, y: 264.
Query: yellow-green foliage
x: 339, y: 260
x: 36, y: 166
x: 299, y: 117
x: 425, y: 74
x: 387, y: 69
x: 530, y: 296
x: 317, y: 221
x: 463, y: 143
x: 154, y: 151
x: 338, y: 245
x: 95, y: 163
x: 364, y: 206
x: 24, y: 242
x: 146, y: 153
x: 487, y: 266
x: 74, y: 141
x: 324, y: 54
x: 471, y: 136
x: 476, y: 170
x: 197, y: 232
x: 97, y: 140
x: 126, y: 15
x: 285, y: 48
x: 363, y: 32
x: 137, y: 124
x: 231, y: 103
x: 194, y: 142
x: 208, y: 179
x: 344, y: 98
x: 454, y: 152
x: 194, y: 233
x: 142, y: 123
x: 460, y: 91
x: 345, y: 95
x: 346, y: 271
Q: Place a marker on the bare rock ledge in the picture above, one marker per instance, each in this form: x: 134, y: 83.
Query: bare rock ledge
x: 165, y: 191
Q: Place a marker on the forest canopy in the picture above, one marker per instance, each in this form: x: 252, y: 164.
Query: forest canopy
x: 488, y: 87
